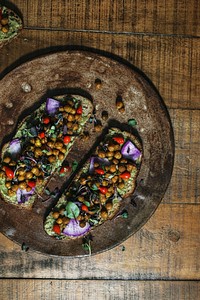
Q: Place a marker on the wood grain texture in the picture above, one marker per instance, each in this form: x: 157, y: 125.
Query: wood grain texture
x: 160, y: 17
x: 171, y: 63
x: 101, y: 289
x: 167, y: 247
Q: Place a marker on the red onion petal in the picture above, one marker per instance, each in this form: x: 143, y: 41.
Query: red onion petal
x: 23, y: 195
x: 101, y: 161
x: 129, y: 150
x: 74, y: 230
x: 52, y: 106
x: 15, y: 147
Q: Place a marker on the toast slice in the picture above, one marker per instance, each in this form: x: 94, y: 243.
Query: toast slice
x: 97, y: 191
x: 39, y: 147
x: 10, y: 25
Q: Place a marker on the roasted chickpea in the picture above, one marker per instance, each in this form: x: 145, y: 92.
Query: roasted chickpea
x: 81, y: 198
x: 75, y: 127
x: 5, y: 29
x: 15, y: 187
x: 63, y: 150
x: 21, y: 178
x: 38, y: 152
x: 7, y: 159
x: 104, y: 214
x: 59, y: 221
x: 101, y: 154
x: 108, y: 205
x: 122, y: 168
x: 71, y: 118
x: 130, y: 167
x: 98, y: 127
x: 115, y: 179
x: 113, y: 168
x: 111, y: 148
x: 29, y: 175
x: 8, y: 184
x: 58, y: 145
x: 118, y: 155
x: 35, y: 171
x: 28, y: 188
x: 73, y: 111
x: 61, y: 156
x: 105, y: 183
x: 65, y: 220
x: 52, y: 158
x: 22, y: 185
x: 77, y: 117
x: 115, y: 161
x: 11, y: 193
x: 50, y: 144
x: 109, y: 154
x: 2, y: 174
x: 67, y: 108
x: 55, y: 215
x: 82, y: 224
x: 38, y: 143
x: 4, y: 21
x: 56, y: 152
x: 121, y: 185
x: 83, y: 181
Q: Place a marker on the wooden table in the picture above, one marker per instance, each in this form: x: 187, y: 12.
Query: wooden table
x: 162, y: 260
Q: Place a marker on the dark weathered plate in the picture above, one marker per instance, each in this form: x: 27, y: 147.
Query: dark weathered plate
x: 78, y: 71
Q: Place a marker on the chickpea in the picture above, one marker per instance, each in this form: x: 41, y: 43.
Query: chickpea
x: 122, y: 110
x: 110, y: 154
x: 102, y: 198
x: 98, y: 127
x: 101, y: 154
x: 123, y: 160
x: 5, y: 29
x: 113, y: 168
x: 69, y: 125
x: 29, y: 175
x: 35, y: 171
x: 77, y: 117
x: 56, y: 152
x: 67, y: 108
x: 32, y: 141
x: 119, y: 103
x: 22, y: 185
x: 108, y: 194
x: 79, y: 218
x: 96, y: 164
x: 11, y: 193
x: 12, y: 163
x: 7, y: 159
x: 108, y: 205
x: 49, y: 153
x: 122, y: 168
x: 82, y: 224
x: 59, y: 221
x: 50, y: 144
x: 61, y: 156
x: 63, y: 150
x: 4, y: 21
x: 52, y: 159
x: 115, y: 179
x: 8, y: 184
x: 121, y: 185
x: 130, y: 167
x: 15, y: 187
x: 81, y: 198
x: 104, y: 214
x: 55, y: 215
x: 75, y: 127
x: 111, y: 148
x: 62, y: 211
x: 38, y: 143
x: 58, y: 145
x: 21, y: 178
x: 73, y: 111
x: 2, y: 174
x: 66, y: 220
x: 38, y: 152
x: 61, y: 109
x: 71, y: 118
x: 115, y: 161
x: 28, y: 188
x: 117, y: 155
x: 70, y: 102
x: 39, y: 180
x: 83, y: 181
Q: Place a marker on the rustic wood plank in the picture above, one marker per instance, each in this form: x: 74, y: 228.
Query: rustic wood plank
x: 171, y: 63
x: 184, y: 185
x: 167, y: 247
x: 161, y: 17
x: 98, y: 289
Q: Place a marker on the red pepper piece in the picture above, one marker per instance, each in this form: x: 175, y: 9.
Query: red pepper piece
x: 46, y: 120
x: 99, y: 171
x: 79, y: 110
x: 41, y: 135
x: 118, y: 139
x: 56, y: 228
x: 65, y: 169
x: 31, y: 183
x: 125, y: 175
x: 103, y: 189
x: 9, y: 172
x: 66, y: 139
x: 84, y: 207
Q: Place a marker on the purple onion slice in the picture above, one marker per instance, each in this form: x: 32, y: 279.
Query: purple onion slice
x: 52, y: 106
x: 101, y: 161
x: 23, y: 196
x: 130, y: 151
x: 74, y: 230
x: 15, y: 147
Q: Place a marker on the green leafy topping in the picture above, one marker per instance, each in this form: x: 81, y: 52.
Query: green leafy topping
x: 72, y: 210
x: 86, y: 203
x: 74, y: 165
x: 124, y: 214
x: 132, y: 122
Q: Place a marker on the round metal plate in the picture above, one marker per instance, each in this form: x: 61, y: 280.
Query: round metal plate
x: 77, y: 72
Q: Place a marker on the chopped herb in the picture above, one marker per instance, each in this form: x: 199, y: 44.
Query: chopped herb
x: 72, y: 210
x: 124, y: 214
x: 132, y: 122
x: 74, y: 165
x: 24, y: 247
x: 123, y: 248
x: 86, y: 203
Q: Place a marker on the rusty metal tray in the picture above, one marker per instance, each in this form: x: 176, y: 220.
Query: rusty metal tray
x: 79, y: 71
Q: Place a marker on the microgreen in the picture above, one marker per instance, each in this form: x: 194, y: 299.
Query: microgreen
x: 74, y: 165
x: 132, y: 122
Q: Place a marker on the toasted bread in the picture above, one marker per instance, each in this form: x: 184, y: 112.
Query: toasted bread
x: 96, y: 192
x: 39, y: 147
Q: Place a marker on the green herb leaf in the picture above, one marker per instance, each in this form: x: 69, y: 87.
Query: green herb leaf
x: 74, y: 165
x: 72, y: 210
x: 132, y: 122
x: 123, y: 248
x: 47, y: 191
x: 94, y: 187
x: 86, y: 203
x: 124, y: 214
